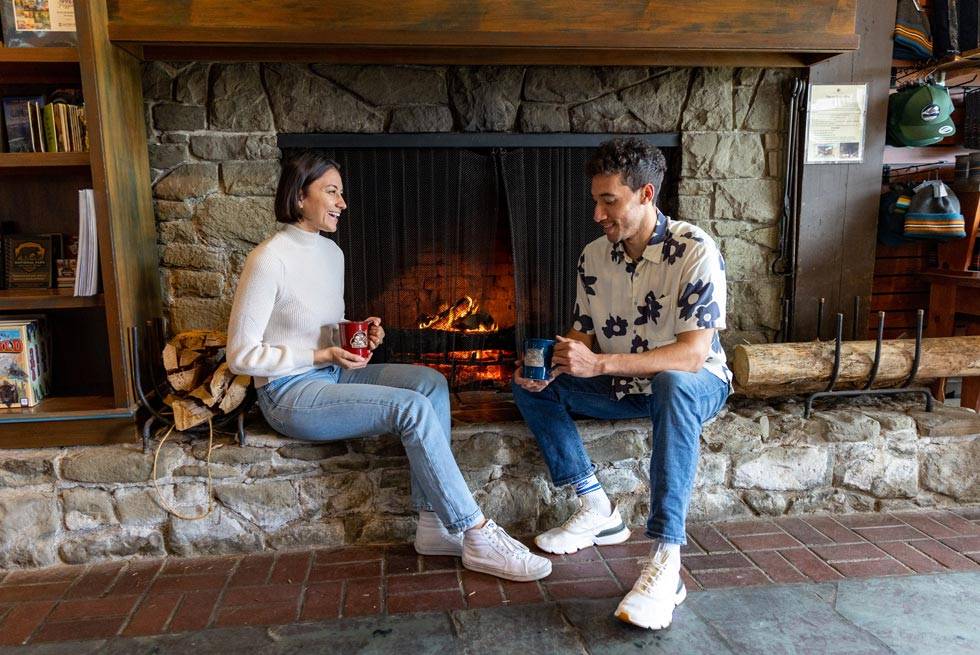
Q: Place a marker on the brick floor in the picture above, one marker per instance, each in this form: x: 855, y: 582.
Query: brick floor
x: 147, y: 597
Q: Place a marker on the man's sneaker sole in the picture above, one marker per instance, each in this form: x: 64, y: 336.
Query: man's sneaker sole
x: 531, y: 577
x: 616, y: 535
x: 638, y: 621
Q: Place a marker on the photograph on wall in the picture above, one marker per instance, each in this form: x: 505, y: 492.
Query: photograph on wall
x: 836, y: 119
x: 28, y: 23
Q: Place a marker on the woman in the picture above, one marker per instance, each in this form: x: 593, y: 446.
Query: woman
x: 282, y: 331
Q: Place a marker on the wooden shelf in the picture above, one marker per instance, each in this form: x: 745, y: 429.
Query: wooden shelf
x: 39, y: 66
x: 38, y: 55
x: 41, y: 299
x: 18, y: 160
x: 61, y: 420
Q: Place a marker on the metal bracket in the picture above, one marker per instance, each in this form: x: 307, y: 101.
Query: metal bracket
x: 866, y: 390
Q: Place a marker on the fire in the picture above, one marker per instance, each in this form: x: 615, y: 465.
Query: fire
x: 462, y: 316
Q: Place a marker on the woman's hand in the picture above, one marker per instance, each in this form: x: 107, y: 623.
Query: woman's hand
x: 340, y: 357
x: 376, y: 333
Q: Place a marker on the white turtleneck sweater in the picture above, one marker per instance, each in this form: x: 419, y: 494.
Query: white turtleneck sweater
x: 289, y: 300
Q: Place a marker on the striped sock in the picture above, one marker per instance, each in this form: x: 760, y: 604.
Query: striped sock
x: 592, y: 495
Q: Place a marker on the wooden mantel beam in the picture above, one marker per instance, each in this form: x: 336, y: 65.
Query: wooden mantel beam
x: 493, y: 31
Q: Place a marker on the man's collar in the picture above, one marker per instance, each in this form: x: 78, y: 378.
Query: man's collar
x: 654, y: 255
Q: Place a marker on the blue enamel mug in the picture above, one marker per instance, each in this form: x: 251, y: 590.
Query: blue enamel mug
x: 537, y: 358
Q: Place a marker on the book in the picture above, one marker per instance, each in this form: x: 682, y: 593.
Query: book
x: 17, y: 119
x: 29, y: 23
x: 87, y: 268
x: 29, y: 261
x: 25, y: 361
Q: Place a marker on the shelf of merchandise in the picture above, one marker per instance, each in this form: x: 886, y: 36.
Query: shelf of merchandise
x: 12, y: 300
x: 11, y: 161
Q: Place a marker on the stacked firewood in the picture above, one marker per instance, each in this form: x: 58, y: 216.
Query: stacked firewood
x: 203, y: 387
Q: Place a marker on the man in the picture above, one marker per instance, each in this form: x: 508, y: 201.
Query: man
x: 651, y: 297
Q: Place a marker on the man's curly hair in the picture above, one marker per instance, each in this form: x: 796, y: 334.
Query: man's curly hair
x: 637, y: 162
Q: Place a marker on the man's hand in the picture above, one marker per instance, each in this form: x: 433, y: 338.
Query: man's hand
x: 574, y: 358
x: 528, y: 384
x: 376, y: 333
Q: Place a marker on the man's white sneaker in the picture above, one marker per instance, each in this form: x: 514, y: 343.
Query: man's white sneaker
x: 432, y: 537
x: 492, y: 551
x: 585, y: 528
x: 658, y: 590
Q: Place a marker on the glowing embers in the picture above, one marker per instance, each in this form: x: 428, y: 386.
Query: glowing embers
x: 464, y: 316
x: 467, y: 369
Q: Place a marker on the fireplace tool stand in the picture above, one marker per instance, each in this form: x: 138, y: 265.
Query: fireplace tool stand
x: 152, y: 400
x: 866, y: 390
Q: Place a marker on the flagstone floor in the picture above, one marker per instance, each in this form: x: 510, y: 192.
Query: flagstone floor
x: 166, y: 596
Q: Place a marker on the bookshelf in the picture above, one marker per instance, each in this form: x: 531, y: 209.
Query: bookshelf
x: 92, y: 399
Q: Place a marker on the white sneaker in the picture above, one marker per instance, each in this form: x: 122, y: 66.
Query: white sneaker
x: 585, y: 528
x: 432, y: 537
x: 658, y: 590
x: 492, y: 551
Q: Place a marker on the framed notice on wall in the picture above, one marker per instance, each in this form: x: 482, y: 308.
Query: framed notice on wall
x: 38, y: 23
x: 836, y: 115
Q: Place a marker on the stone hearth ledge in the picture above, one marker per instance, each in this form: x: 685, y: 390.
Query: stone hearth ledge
x: 86, y: 504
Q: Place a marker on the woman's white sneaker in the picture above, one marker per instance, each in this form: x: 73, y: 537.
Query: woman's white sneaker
x: 492, y: 551
x: 585, y: 528
x: 432, y: 537
x: 659, y: 589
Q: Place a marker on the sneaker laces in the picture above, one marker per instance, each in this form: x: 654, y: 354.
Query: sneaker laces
x: 579, y: 517
x: 652, y: 572
x: 502, y: 541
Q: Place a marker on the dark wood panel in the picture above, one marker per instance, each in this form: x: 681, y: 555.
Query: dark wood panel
x: 838, y: 217
x: 477, y: 56
x: 81, y: 421
x: 818, y: 26
x: 899, y: 265
x: 890, y: 301
x: 42, y: 200
x: 121, y: 178
x: 899, y: 284
x: 901, y: 319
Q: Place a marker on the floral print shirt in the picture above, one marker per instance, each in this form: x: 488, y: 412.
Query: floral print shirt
x: 633, y: 306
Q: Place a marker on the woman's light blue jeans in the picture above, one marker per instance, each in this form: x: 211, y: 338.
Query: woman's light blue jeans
x: 329, y: 404
x: 679, y: 403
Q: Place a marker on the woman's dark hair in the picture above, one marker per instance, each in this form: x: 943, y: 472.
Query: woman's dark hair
x: 298, y: 172
x: 637, y: 162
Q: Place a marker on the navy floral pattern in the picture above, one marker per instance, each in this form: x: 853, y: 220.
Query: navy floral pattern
x: 587, y: 280
x: 708, y: 315
x: 676, y: 285
x: 649, y: 311
x: 582, y: 322
x: 694, y: 295
x: 615, y: 327
x: 673, y: 249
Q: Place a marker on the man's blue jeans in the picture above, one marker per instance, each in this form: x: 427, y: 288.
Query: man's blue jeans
x: 678, y: 405
x: 329, y: 404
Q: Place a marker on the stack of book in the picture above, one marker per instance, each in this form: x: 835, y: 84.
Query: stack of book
x: 35, y: 125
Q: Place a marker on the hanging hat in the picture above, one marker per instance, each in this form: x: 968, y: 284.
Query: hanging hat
x: 920, y: 116
x: 891, y: 215
x: 934, y: 213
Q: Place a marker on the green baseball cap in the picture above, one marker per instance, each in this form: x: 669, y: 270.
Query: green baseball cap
x: 920, y: 116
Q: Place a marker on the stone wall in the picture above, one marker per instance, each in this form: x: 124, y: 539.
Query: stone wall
x: 214, y: 159
x: 92, y: 503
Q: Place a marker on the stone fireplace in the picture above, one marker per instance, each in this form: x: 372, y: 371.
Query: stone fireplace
x: 213, y: 152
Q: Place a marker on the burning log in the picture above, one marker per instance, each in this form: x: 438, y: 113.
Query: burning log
x: 464, y: 315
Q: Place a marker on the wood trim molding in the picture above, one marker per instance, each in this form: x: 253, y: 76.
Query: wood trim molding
x: 493, y: 31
